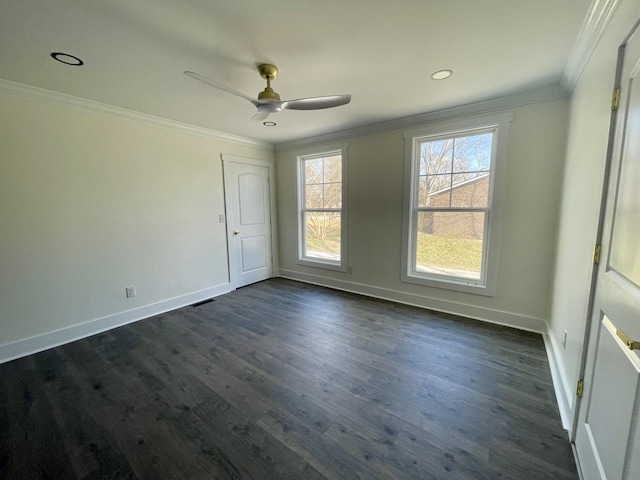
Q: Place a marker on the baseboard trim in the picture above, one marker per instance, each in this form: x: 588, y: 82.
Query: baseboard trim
x: 39, y: 343
x: 498, y: 317
x: 564, y: 392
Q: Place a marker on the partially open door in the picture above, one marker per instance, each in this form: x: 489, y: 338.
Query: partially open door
x: 608, y: 429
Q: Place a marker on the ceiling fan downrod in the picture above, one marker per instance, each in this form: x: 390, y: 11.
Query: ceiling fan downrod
x: 268, y: 72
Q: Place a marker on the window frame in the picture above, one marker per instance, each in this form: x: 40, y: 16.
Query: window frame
x: 499, y: 125
x: 300, y: 157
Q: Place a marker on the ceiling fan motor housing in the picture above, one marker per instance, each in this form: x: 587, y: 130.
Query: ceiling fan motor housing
x: 268, y: 94
x: 270, y: 107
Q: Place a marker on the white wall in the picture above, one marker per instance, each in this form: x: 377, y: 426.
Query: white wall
x: 375, y: 182
x: 580, y: 202
x: 91, y: 204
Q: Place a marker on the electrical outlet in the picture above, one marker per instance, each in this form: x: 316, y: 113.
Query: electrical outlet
x: 221, y: 218
x: 564, y: 339
x: 131, y: 292
x: 349, y: 269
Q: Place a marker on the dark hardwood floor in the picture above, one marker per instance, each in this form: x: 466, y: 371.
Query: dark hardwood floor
x: 286, y: 380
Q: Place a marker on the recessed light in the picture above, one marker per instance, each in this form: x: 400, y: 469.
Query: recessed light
x: 67, y: 59
x: 269, y: 124
x: 441, y: 74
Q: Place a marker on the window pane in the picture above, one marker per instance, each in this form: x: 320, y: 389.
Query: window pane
x: 423, y: 192
x: 450, y: 243
x: 322, y: 235
x: 435, y: 157
x: 313, y: 196
x: 313, y: 171
x: 333, y: 195
x: 321, y: 189
x: 464, y: 176
x: 438, y: 190
x: 471, y: 193
x: 438, y: 183
x: 472, y: 153
x: 333, y: 169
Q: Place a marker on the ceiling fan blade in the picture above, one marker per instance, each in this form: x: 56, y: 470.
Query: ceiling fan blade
x: 220, y: 86
x: 316, y: 103
x: 266, y: 108
x: 261, y: 115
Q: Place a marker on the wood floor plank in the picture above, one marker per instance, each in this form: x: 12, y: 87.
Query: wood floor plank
x: 286, y: 380
x: 31, y: 443
x: 328, y: 457
x: 122, y: 423
x: 250, y: 371
x: 249, y: 444
x: 417, y: 459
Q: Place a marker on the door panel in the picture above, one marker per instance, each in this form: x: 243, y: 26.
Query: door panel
x: 625, y: 254
x: 608, y: 416
x: 248, y: 196
x: 610, y: 444
x: 252, y: 194
x: 254, y: 253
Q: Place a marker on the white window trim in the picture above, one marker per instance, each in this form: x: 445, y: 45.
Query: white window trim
x: 299, y: 156
x: 497, y: 187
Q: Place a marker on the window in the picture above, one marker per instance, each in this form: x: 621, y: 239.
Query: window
x: 453, y: 190
x: 321, y: 207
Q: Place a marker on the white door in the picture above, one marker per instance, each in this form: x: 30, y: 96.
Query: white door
x: 608, y: 429
x: 248, y: 199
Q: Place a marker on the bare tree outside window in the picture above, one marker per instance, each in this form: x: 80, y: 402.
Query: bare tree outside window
x: 452, y: 204
x: 322, y: 212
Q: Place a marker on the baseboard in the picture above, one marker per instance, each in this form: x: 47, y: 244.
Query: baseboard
x: 564, y: 391
x: 508, y: 319
x: 38, y: 343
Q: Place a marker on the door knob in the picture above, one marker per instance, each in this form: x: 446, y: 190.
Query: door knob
x: 236, y: 233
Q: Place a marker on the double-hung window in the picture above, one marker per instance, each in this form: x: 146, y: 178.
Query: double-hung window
x: 321, y: 207
x: 453, y: 190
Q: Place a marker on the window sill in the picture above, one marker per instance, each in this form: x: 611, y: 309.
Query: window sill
x: 456, y: 284
x: 307, y: 262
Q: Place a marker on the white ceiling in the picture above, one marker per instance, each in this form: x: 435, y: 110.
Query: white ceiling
x: 382, y: 52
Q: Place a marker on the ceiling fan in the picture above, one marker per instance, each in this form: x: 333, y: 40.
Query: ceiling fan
x: 268, y: 100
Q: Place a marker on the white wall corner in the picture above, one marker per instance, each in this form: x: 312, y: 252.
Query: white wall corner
x: 39, y: 343
x: 593, y: 26
x: 564, y: 392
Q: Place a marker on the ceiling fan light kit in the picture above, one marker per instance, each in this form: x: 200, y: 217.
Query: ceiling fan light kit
x: 268, y: 101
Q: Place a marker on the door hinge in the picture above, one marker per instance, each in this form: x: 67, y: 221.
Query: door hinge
x: 596, y: 254
x: 580, y: 389
x: 615, y: 101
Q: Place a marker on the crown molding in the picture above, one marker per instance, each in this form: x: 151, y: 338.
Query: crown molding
x: 56, y: 98
x: 593, y: 26
x: 537, y: 95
